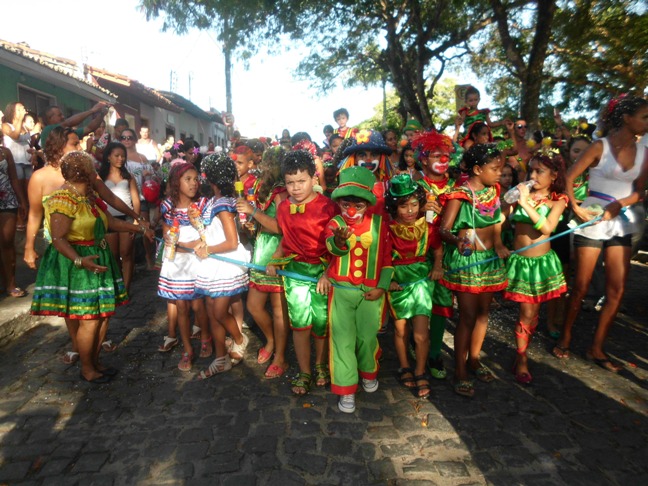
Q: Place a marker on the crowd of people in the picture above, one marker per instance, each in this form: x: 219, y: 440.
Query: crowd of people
x: 342, y: 237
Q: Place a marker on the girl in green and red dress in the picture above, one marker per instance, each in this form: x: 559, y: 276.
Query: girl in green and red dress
x: 270, y: 191
x: 535, y: 275
x: 471, y: 225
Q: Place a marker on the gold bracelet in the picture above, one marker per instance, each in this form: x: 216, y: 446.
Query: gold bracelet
x: 78, y: 262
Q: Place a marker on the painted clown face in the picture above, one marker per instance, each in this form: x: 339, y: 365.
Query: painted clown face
x: 438, y: 162
x: 368, y: 159
x: 352, y: 211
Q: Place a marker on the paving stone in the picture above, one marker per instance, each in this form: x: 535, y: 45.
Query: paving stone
x: 223, y: 463
x: 260, y: 443
x: 95, y: 480
x: 396, y: 450
x: 419, y: 465
x: 90, y: 462
x: 194, y: 451
x: 309, y: 463
x: 285, y: 478
x: 264, y: 461
x: 382, y: 470
x: 351, y: 430
x: 176, y: 472
x: 452, y: 469
x: 346, y: 473
x: 336, y: 446
x: 293, y: 445
x: 240, y: 480
x: 377, y: 432
x: 14, y: 470
x: 305, y: 428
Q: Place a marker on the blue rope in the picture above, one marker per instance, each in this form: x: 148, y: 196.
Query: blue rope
x: 305, y: 278
x: 532, y: 245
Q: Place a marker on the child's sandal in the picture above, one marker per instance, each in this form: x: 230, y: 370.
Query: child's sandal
x: 403, y: 379
x: 423, y: 390
x: 206, y: 348
x: 322, y: 374
x: 185, y: 363
x: 465, y: 388
x: 301, y: 385
x: 219, y: 365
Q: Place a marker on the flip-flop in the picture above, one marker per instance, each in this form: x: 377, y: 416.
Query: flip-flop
x: 17, y: 292
x: 108, y: 346
x: 275, y: 371
x: 605, y: 363
x: 70, y: 357
x: 263, y: 356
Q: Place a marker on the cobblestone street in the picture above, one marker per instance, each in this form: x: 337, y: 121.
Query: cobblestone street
x: 153, y: 425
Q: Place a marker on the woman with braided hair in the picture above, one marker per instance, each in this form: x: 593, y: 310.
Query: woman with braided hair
x: 618, y: 169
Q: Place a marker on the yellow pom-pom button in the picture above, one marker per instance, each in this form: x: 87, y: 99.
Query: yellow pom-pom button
x: 357, y: 274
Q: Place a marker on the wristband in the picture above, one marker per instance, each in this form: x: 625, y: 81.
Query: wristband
x: 142, y: 230
x: 78, y: 262
x: 253, y: 212
x: 141, y: 218
x: 540, y: 222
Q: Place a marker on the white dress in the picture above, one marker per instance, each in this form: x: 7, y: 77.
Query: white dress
x: 608, y: 182
x: 178, y: 277
x: 218, y: 278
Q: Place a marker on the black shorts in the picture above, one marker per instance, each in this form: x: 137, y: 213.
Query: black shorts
x: 582, y: 241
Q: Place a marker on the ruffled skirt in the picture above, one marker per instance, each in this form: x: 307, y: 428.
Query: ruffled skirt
x: 477, y: 279
x: 534, y: 279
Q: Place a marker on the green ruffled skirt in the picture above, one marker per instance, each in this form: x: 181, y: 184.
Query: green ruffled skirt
x: 265, y: 246
x: 534, y: 279
x: 416, y: 297
x: 480, y: 278
x: 66, y: 291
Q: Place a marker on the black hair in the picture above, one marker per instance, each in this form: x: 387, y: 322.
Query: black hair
x: 340, y: 111
x: 189, y: 145
x: 474, y: 129
x: 220, y: 171
x: 270, y: 172
x: 471, y: 90
x: 104, y: 170
x: 122, y: 122
x: 515, y: 179
x: 612, y: 116
x: 298, y: 137
x: 338, y: 156
x: 296, y: 161
x: 479, y: 154
x: 327, y: 128
x: 333, y: 137
x: 555, y: 163
x: 256, y: 145
x: 402, y: 165
x: 392, y: 202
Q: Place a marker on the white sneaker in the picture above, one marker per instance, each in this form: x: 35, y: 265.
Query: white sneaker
x: 369, y: 386
x: 346, y: 403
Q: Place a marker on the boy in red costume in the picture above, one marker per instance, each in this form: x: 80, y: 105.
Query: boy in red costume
x: 302, y: 219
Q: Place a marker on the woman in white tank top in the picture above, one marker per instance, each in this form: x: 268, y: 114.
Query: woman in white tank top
x: 618, y: 168
x: 114, y: 174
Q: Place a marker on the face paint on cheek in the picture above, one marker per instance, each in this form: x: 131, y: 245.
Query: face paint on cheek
x: 372, y: 166
x: 440, y: 167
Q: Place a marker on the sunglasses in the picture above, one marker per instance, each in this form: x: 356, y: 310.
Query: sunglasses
x: 521, y: 126
x: 126, y: 137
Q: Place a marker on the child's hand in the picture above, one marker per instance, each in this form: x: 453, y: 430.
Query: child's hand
x: 243, y: 206
x: 394, y: 287
x: 341, y: 234
x: 201, y: 251
x: 271, y: 270
x: 433, y: 205
x: 374, y: 294
x: 436, y: 273
x: 502, y: 251
x: 509, y: 124
x: 323, y: 285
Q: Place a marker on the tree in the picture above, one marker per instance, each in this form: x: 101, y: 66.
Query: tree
x: 525, y: 48
x: 600, y: 51
x: 351, y: 41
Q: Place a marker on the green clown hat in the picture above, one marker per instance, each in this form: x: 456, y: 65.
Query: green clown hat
x: 402, y: 185
x: 356, y: 181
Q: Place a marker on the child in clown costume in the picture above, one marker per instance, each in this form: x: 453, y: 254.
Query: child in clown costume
x: 361, y: 272
x: 433, y: 150
x: 411, y: 291
x: 370, y: 151
x: 471, y: 226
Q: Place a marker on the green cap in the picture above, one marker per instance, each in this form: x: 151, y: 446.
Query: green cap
x: 402, y: 185
x: 356, y: 181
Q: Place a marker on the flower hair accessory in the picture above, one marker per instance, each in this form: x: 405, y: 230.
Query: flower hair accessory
x: 363, y: 136
x: 614, y: 102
